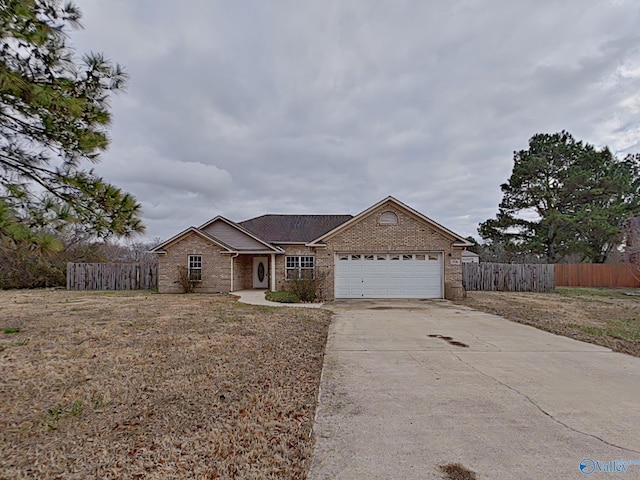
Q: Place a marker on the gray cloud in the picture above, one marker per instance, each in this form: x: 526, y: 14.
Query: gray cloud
x: 243, y: 108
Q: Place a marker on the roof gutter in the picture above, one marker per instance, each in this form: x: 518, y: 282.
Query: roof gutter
x: 461, y: 244
x: 252, y: 252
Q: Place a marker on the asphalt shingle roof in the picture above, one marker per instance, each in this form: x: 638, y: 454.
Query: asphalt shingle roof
x: 293, y: 228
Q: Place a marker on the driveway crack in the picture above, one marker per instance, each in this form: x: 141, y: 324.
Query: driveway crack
x: 483, y: 340
x: 542, y: 410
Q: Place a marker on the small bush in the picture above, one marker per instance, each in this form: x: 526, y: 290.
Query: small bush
x: 188, y: 285
x: 282, y: 297
x: 11, y: 330
x: 307, y: 288
x: 21, y: 269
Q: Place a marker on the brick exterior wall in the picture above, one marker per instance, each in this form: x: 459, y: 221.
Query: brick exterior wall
x: 281, y: 281
x: 216, y: 267
x: 243, y: 272
x: 410, y: 235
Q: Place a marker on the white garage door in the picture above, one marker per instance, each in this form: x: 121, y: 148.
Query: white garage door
x: 389, y: 276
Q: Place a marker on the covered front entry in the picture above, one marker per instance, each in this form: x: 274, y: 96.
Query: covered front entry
x: 253, y: 271
x: 399, y: 275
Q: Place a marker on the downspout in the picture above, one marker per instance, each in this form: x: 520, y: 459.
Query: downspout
x: 232, y: 275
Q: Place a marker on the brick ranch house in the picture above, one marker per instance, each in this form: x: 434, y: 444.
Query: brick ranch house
x: 387, y: 251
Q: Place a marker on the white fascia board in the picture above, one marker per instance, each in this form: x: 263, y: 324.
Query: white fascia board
x: 462, y: 244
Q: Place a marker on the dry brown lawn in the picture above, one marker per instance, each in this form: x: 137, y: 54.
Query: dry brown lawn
x: 604, y: 316
x: 138, y: 385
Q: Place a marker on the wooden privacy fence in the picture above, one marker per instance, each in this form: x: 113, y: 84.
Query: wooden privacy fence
x: 597, y: 275
x: 505, y: 277
x: 112, y: 276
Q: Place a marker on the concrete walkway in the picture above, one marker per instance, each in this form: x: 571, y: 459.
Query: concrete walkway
x: 401, y: 395
x: 256, y: 297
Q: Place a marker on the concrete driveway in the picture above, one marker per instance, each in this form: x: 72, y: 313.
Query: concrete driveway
x: 517, y: 403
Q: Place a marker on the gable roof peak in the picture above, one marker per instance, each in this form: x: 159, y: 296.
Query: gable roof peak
x: 240, y: 228
x: 459, y: 241
x: 160, y: 248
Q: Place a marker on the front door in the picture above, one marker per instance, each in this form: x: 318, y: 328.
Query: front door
x: 260, y: 273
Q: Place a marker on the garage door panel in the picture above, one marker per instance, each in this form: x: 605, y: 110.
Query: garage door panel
x: 368, y: 292
x: 389, y: 276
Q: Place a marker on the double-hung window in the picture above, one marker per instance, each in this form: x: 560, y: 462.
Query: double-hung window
x: 300, y: 266
x: 195, y: 268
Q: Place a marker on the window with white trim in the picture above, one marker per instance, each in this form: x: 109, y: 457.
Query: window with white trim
x: 388, y: 218
x: 195, y: 268
x: 300, y: 266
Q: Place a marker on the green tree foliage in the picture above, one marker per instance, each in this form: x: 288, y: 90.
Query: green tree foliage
x: 565, y: 197
x: 26, y: 255
x: 33, y: 259
x: 54, y: 117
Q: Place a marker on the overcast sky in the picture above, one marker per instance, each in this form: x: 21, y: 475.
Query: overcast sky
x: 241, y: 108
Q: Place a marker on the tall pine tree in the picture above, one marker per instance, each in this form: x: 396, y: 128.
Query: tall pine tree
x: 565, y: 197
x: 54, y: 118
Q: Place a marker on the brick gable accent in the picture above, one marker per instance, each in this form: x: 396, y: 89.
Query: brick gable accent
x: 410, y: 235
x: 216, y: 267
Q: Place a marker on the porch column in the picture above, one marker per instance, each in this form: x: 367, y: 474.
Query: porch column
x: 273, y: 272
x: 231, y: 257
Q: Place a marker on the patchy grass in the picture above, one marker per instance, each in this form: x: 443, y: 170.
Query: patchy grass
x: 596, y: 292
x: 625, y: 329
x: 282, y: 297
x: 455, y: 471
x: 10, y: 330
x: 156, y: 386
x: 608, y: 317
x: 52, y: 416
